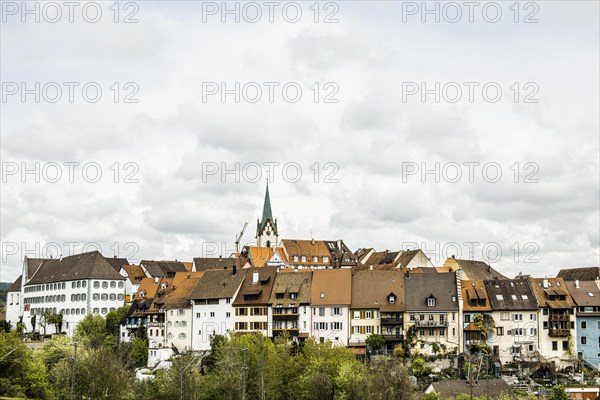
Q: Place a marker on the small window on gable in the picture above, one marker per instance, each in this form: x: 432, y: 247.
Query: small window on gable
x: 431, y: 302
x: 322, y: 295
x: 391, y: 299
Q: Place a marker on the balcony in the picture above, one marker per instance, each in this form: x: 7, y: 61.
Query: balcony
x: 391, y: 321
x: 559, y: 333
x: 285, y: 315
x: 393, y: 337
x: 559, y: 318
x: 431, y: 324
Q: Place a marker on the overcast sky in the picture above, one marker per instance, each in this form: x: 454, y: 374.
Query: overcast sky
x: 372, y: 138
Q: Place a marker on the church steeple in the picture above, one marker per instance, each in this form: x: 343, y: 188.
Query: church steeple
x: 266, y: 228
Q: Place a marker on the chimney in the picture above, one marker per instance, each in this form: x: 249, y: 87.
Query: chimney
x: 545, y: 282
x: 577, y: 283
x: 255, y: 277
x: 312, y: 241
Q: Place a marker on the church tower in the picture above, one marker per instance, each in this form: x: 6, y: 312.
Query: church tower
x: 266, y: 229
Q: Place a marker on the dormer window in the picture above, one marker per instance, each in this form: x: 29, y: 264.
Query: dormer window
x: 391, y: 299
x: 142, y: 294
x: 295, y: 258
x: 325, y: 259
x: 293, y: 295
x: 303, y: 258
x: 315, y: 259
x: 279, y: 295
x: 431, y: 302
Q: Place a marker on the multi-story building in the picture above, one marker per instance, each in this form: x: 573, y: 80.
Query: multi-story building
x: 164, y: 269
x: 290, y: 302
x: 213, y: 304
x: 477, y: 315
x: 433, y: 315
x: 377, y: 307
x: 267, y: 256
x: 318, y: 254
x: 178, y: 311
x: 471, y: 270
x: 516, y: 314
x: 556, y: 324
x: 73, y: 286
x: 586, y: 295
x: 251, y: 305
x: 330, y: 305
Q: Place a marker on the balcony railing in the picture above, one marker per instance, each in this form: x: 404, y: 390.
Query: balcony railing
x: 431, y: 324
x: 559, y: 318
x: 391, y: 321
x: 285, y: 315
x: 393, y: 337
x: 558, y: 333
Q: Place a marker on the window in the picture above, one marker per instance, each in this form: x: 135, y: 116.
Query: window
x: 369, y: 315
x: 431, y: 302
x: 357, y: 330
x: 315, y: 259
x: 96, y: 296
x: 499, y: 331
x: 303, y: 258
x: 104, y: 285
x: 583, y: 325
x: 513, y: 296
x: 412, y: 317
x: 113, y: 297
x: 356, y: 314
x: 83, y: 283
x: 499, y: 297
x: 325, y: 259
x: 532, y: 317
x: 467, y: 318
x: 78, y: 284
x: 392, y: 299
x: 321, y: 311
x: 104, y: 296
x: 554, y: 346
x: 565, y: 345
x: 227, y: 314
x: 73, y: 285
x: 369, y: 330
x: 96, y: 284
x: 524, y: 297
x: 120, y: 297
x: 96, y: 310
x: 583, y: 340
x: 182, y: 335
x: 113, y: 284
x: 296, y: 258
x: 504, y: 316
x: 517, y: 317
x: 322, y: 295
x: 121, y: 285
x: 212, y: 314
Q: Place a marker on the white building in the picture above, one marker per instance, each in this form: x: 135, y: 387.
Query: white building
x: 212, y: 309
x: 330, y: 305
x: 178, y: 311
x: 73, y: 286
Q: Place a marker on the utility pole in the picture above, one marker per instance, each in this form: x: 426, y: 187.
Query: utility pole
x: 244, y: 350
x: 74, y: 366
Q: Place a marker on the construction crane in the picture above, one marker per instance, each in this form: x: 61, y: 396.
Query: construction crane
x: 238, y: 238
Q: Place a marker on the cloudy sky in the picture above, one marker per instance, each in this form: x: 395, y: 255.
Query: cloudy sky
x: 353, y: 107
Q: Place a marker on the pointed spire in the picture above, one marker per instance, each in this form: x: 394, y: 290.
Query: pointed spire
x: 267, y: 213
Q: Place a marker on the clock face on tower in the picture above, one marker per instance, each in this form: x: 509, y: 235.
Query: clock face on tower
x: 268, y: 232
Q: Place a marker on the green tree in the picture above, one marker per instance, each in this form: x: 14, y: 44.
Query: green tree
x: 138, y: 354
x: 56, y: 319
x: 113, y: 320
x: 375, y: 342
x: 4, y: 326
x: 91, y: 330
x: 390, y: 380
x: 33, y: 322
x: 559, y: 393
x: 418, y: 366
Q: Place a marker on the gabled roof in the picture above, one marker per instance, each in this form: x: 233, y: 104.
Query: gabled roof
x: 90, y: 265
x: 33, y: 264
x: 182, y: 286
x: 332, y: 287
x: 149, y: 287
x: 117, y: 263
x: 475, y: 290
x: 206, y: 263
x: 418, y: 287
x: 16, y: 285
x: 163, y: 268
x: 307, y: 248
x: 286, y: 282
x: 510, y: 294
x: 260, y: 287
x: 341, y: 255
x: 582, y: 274
x: 473, y: 270
x: 370, y: 289
x: 218, y: 284
x: 581, y: 295
x: 135, y: 273
x: 453, y: 388
x: 555, y: 287
x: 259, y: 256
